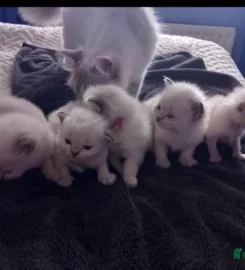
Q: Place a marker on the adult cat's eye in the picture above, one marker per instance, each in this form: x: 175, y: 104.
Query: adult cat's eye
x: 158, y: 107
x: 87, y: 147
x: 7, y: 172
x: 68, y: 141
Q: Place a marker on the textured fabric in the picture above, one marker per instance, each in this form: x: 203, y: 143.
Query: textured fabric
x: 176, y: 219
x: 38, y: 77
x: 12, y: 37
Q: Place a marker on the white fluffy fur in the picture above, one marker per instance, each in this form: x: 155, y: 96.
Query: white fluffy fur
x: 26, y: 139
x: 134, y: 137
x: 78, y: 128
x: 176, y: 128
x: 114, y: 44
x: 227, y: 122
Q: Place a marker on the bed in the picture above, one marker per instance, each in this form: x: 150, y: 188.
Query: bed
x: 175, y: 219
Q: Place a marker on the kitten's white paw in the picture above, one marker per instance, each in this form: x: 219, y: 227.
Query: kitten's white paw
x: 163, y: 163
x: 215, y: 158
x: 131, y: 181
x: 239, y: 156
x: 60, y: 176
x: 108, y: 179
x: 187, y: 162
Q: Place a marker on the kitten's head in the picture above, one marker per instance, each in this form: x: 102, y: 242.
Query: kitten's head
x: 95, y: 70
x: 180, y: 106
x: 108, y: 100
x: 82, y: 134
x: 20, y: 140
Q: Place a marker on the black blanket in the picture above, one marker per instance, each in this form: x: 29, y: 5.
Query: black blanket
x: 178, y: 218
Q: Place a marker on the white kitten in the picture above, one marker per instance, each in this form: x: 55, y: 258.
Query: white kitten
x: 129, y: 124
x: 82, y: 138
x: 104, y: 44
x: 180, y: 121
x: 227, y: 122
x: 26, y: 139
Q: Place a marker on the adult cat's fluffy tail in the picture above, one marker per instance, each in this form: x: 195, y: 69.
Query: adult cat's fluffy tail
x: 43, y: 16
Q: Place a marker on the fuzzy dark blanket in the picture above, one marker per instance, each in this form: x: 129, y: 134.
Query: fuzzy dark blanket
x: 180, y: 218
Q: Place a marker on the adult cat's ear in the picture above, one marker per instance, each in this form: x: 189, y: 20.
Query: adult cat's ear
x: 197, y: 109
x: 167, y: 81
x: 98, y: 103
x: 73, y: 57
x: 108, y: 136
x: 61, y: 116
x: 105, y: 66
x: 24, y: 145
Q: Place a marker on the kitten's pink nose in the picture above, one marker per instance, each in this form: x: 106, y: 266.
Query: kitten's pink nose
x: 74, y: 153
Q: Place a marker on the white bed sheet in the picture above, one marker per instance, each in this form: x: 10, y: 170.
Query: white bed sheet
x: 13, y: 35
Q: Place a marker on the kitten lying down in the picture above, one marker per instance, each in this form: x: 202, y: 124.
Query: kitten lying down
x: 82, y: 139
x: 26, y: 139
x: 227, y: 122
x: 180, y: 117
x: 130, y: 125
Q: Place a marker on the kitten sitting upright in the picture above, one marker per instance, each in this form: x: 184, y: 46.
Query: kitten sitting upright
x: 180, y: 121
x: 26, y: 140
x: 129, y: 124
x: 82, y: 138
x: 227, y: 122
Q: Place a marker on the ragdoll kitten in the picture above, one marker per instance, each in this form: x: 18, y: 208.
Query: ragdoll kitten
x: 227, y: 123
x: 103, y: 44
x: 82, y: 138
x: 26, y: 139
x: 180, y: 121
x: 129, y: 124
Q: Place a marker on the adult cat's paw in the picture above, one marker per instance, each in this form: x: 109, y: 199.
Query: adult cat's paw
x: 215, y: 158
x: 107, y: 179
x: 131, y: 181
x: 187, y: 161
x: 163, y: 163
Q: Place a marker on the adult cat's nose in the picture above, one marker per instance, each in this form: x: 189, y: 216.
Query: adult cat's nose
x: 74, y: 153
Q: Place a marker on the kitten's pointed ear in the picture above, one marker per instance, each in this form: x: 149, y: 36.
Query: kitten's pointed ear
x: 167, y: 81
x: 108, y: 136
x: 61, y: 116
x: 241, y: 106
x: 24, y: 145
x: 197, y: 109
x: 98, y: 103
x: 74, y: 57
x: 105, y: 66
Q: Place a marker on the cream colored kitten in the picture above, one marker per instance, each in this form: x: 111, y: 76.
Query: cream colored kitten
x: 82, y: 138
x: 180, y: 121
x: 129, y: 124
x: 227, y: 122
x: 26, y: 139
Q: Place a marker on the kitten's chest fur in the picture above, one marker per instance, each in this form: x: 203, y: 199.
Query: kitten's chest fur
x: 174, y: 141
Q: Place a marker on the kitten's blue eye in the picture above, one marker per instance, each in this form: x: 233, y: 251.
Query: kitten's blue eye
x: 68, y: 141
x: 87, y: 147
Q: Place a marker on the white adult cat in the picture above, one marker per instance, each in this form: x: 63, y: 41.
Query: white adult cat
x: 180, y: 118
x: 26, y: 139
x: 129, y: 124
x: 105, y: 44
x: 82, y: 138
x: 227, y: 123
